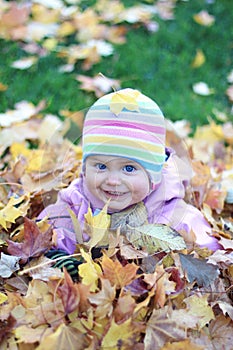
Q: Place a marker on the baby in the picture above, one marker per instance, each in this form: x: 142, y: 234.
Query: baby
x: 126, y: 163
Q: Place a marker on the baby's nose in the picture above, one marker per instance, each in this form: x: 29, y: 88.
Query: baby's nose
x: 113, y: 179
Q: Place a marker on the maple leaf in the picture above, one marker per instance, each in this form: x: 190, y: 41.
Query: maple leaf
x: 198, y: 306
x: 89, y: 271
x: 10, y: 213
x: 35, y: 243
x: 125, y: 308
x: 124, y: 335
x: 117, y: 274
x: 104, y: 299
x: 221, y: 330
x: 198, y: 270
x: 65, y: 337
x: 97, y: 226
x: 160, y: 329
x: 126, y: 99
x: 69, y: 293
x: 29, y: 335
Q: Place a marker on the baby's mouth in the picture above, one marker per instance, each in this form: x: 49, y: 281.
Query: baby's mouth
x: 114, y: 194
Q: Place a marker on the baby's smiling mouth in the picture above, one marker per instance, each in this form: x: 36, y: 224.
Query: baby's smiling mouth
x: 114, y: 193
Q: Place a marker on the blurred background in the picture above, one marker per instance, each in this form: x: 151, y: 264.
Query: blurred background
x: 69, y: 53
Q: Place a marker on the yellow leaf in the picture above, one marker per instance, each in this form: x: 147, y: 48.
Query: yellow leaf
x: 10, y: 213
x: 97, y: 225
x: 126, y: 99
x: 65, y: 29
x: 3, y: 298
x: 199, y: 59
x: 204, y: 18
x: 198, y: 305
x: 89, y: 271
x: 77, y: 227
x: 50, y: 44
x: 18, y: 149
x: 3, y: 87
x: 119, y: 334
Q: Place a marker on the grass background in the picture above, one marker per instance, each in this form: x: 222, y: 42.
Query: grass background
x: 158, y: 64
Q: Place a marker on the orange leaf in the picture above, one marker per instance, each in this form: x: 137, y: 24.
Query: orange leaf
x: 117, y: 274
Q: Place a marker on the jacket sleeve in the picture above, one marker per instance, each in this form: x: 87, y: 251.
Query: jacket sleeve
x: 166, y: 205
x: 58, y: 215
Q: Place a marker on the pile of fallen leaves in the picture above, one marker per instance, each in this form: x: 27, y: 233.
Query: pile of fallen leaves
x: 152, y: 293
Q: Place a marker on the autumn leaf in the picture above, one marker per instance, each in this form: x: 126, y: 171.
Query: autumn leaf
x: 198, y: 306
x: 8, y: 265
x: 65, y: 337
x: 198, y: 270
x: 155, y: 238
x: 35, y: 243
x: 69, y: 293
x: 6, y: 325
x: 201, y: 88
x: 104, y: 299
x: 97, y: 226
x: 29, y: 335
x: 204, y: 18
x: 24, y: 63
x: 160, y: 329
x: 118, y: 274
x: 182, y: 345
x: 221, y: 332
x: 3, y: 298
x: 125, y: 308
x: 3, y: 87
x: 126, y: 99
x: 89, y: 272
x: 124, y: 333
x: 10, y: 212
x: 199, y: 59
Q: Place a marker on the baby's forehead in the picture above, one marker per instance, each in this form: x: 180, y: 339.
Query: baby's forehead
x: 111, y: 159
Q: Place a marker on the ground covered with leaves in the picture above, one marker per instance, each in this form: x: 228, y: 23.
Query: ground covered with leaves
x: 142, y: 294
x: 158, y: 291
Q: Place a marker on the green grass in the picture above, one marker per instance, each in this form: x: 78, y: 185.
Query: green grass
x: 159, y: 64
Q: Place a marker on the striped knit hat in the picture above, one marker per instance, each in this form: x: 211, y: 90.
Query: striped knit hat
x: 127, y: 124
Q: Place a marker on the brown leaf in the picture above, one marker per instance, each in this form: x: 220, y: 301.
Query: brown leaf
x: 69, y: 293
x: 161, y: 329
x: 221, y: 330
x: 65, y: 337
x: 124, y: 308
x: 35, y: 243
x: 6, y: 326
x: 104, y: 299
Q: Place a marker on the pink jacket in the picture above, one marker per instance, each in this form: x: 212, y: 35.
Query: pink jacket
x: 165, y: 205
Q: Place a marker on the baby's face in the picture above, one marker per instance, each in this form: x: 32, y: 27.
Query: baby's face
x: 120, y: 180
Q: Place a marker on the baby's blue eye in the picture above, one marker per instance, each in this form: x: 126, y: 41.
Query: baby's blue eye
x: 129, y: 168
x: 101, y: 166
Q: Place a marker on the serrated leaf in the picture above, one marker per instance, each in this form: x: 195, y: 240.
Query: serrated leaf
x: 198, y: 270
x: 155, y: 238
